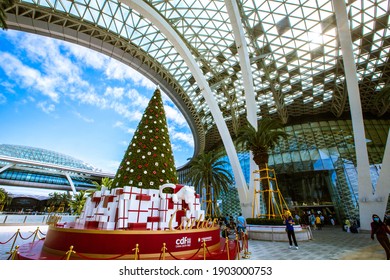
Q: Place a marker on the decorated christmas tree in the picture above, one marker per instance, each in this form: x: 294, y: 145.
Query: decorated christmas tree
x: 148, y: 161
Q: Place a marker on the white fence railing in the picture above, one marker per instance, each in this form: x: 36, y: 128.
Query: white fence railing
x: 32, y: 219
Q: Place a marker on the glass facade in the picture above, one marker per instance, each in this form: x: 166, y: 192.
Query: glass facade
x: 25, y: 176
x: 42, y: 155
x: 42, y: 175
x: 316, y: 165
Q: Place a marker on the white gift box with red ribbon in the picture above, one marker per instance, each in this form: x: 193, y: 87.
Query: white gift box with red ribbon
x: 123, y: 215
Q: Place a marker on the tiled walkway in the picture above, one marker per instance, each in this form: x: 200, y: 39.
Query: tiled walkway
x: 327, y: 244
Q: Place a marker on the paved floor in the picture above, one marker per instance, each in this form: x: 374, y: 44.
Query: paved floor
x: 327, y: 244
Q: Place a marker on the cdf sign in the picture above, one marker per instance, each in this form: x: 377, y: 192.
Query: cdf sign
x: 183, y: 242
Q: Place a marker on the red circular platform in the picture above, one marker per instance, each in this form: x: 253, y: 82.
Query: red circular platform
x: 121, y: 244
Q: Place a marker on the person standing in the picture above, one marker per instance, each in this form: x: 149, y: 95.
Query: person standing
x: 347, y: 225
x: 227, y: 220
x: 289, y: 222
x: 241, y: 225
x: 379, y: 229
x: 312, y: 220
x: 332, y: 221
x: 318, y: 222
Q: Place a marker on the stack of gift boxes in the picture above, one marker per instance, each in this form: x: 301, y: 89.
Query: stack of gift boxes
x: 137, y: 208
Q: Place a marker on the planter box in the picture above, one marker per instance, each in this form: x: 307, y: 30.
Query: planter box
x: 277, y: 233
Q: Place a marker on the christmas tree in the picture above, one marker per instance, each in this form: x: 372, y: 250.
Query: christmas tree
x: 148, y: 161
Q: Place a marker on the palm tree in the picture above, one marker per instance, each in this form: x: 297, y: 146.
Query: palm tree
x: 59, y: 201
x: 3, y: 5
x: 77, y: 202
x: 260, y: 141
x: 106, y: 182
x: 4, y: 198
x: 208, y: 171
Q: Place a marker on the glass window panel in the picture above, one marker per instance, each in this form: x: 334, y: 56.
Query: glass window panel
x: 278, y: 159
x: 305, y: 156
x: 271, y: 160
x: 296, y: 157
x: 328, y: 165
x: 314, y: 154
x: 286, y: 157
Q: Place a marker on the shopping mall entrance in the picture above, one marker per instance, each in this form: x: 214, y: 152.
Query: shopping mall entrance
x: 308, y: 192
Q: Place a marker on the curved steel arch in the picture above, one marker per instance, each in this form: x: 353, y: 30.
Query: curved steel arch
x: 206, y: 92
x: 47, y: 22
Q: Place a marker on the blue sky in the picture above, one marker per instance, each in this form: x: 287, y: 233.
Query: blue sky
x: 69, y: 99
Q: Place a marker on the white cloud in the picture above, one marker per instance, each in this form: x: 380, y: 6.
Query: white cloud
x: 26, y: 76
x: 122, y: 126
x: 136, y: 99
x: 87, y: 56
x: 53, y: 71
x: 45, y: 107
x: 185, y: 137
x: 118, y: 124
x: 174, y: 115
x: 119, y: 71
x: 10, y: 87
x: 84, y: 118
x: 90, y: 98
x: 115, y: 92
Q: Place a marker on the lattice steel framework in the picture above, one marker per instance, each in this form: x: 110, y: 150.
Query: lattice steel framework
x: 42, y: 155
x: 293, y: 46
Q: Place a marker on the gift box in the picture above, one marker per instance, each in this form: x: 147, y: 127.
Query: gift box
x: 152, y: 226
x: 165, y: 216
x: 97, y: 194
x: 111, y: 210
x: 107, y: 199
x: 197, y: 204
x: 128, y: 192
x: 96, y: 199
x: 139, y: 226
x: 166, y: 201
x: 154, y: 207
x: 117, y: 191
x: 91, y: 224
x: 153, y: 223
x: 102, y: 218
x: 107, y: 225
x: 100, y: 210
x: 139, y: 205
x: 143, y: 197
x: 199, y: 215
x: 122, y: 213
x: 122, y: 223
x: 138, y: 216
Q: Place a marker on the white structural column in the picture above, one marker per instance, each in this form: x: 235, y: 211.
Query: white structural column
x: 250, y: 101
x: 239, y: 37
x: 71, y: 183
x: 4, y: 168
x: 145, y: 10
x: 363, y: 168
x: 382, y: 189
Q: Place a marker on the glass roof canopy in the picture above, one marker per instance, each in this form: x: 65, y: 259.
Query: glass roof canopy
x: 293, y: 46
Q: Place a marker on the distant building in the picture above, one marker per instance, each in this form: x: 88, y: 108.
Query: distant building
x: 28, y: 167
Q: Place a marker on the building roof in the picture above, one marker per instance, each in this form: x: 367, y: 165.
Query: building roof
x: 294, y: 52
x: 32, y: 167
x: 42, y: 155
